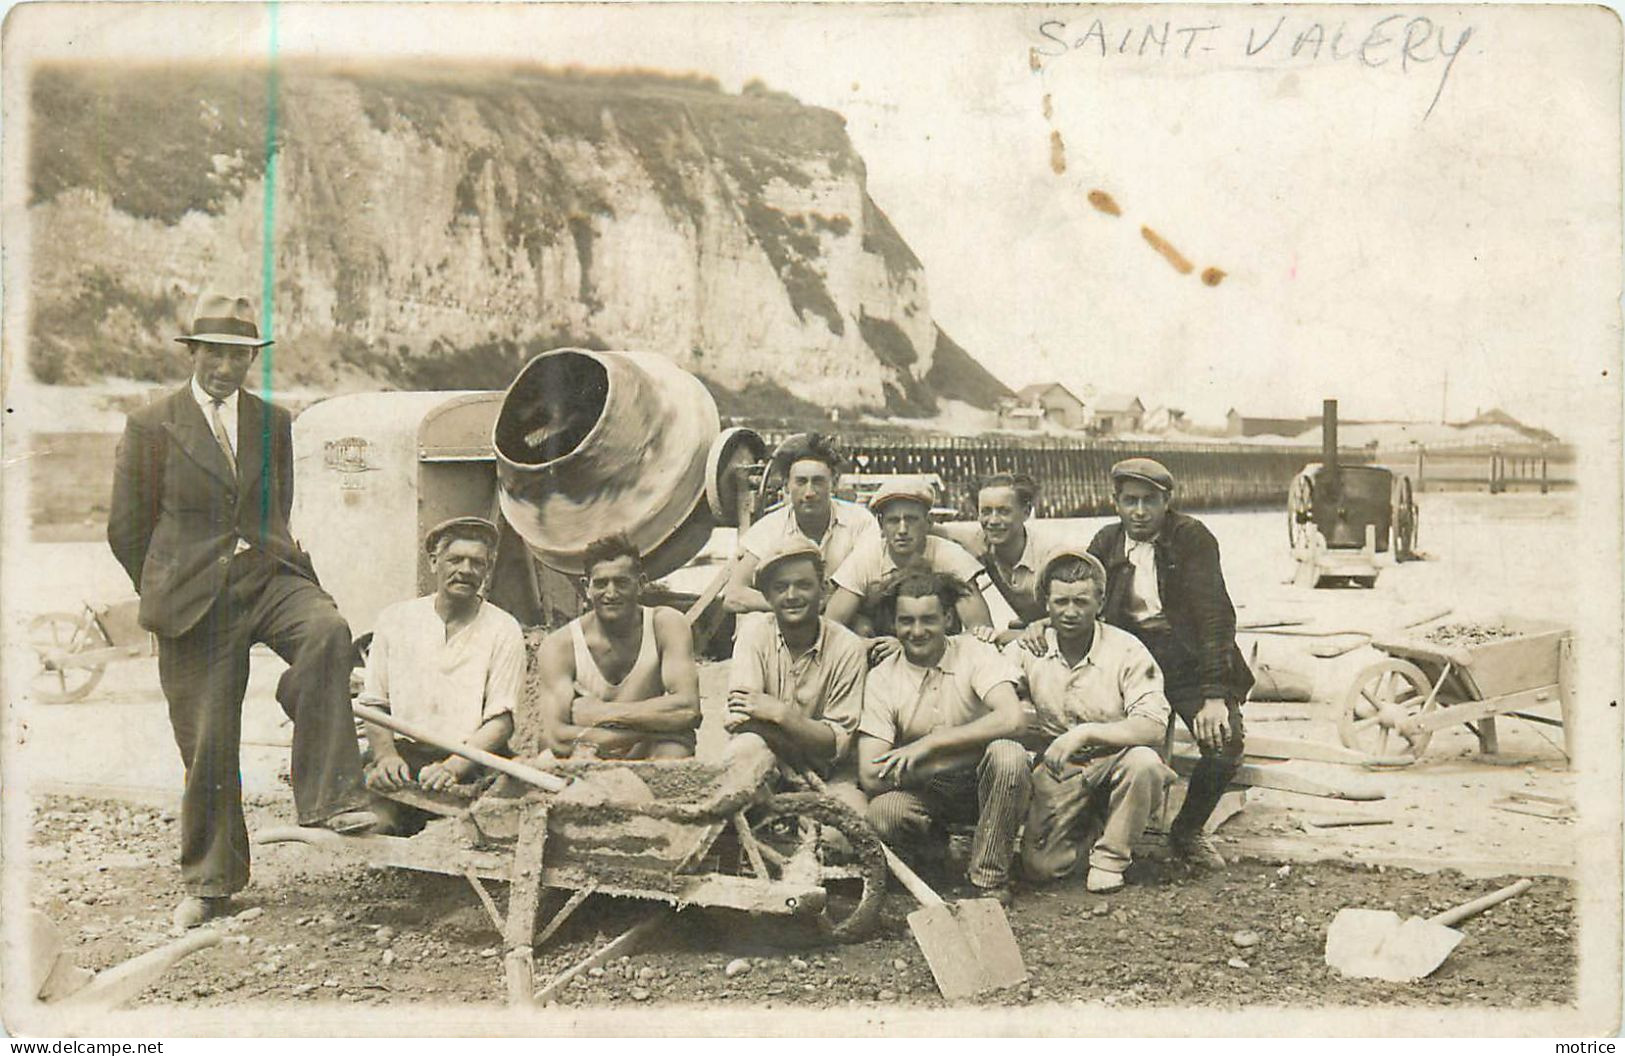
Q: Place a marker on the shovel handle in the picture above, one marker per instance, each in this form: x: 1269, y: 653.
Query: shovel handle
x: 1479, y: 905
x: 910, y: 879
x: 528, y: 774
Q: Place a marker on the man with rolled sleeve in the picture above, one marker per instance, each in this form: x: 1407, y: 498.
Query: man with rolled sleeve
x: 937, y: 742
x: 1165, y: 586
x: 797, y: 680
x: 1097, y: 695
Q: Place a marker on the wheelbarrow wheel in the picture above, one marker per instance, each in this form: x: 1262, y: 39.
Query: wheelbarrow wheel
x: 56, y: 636
x: 1379, y: 708
x: 811, y: 835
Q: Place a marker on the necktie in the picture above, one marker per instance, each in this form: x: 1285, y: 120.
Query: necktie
x: 220, y: 436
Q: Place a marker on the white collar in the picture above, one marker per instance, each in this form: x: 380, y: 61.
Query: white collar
x: 1088, y: 657
x: 204, y: 400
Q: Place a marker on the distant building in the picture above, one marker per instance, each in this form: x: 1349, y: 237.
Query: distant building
x: 1117, y: 413
x: 1238, y: 424
x: 1496, y: 416
x: 1057, y: 404
x: 1162, y: 419
x: 1014, y: 414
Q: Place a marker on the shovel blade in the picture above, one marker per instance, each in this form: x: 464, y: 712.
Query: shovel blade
x: 1355, y: 938
x: 969, y: 948
x: 1415, y: 950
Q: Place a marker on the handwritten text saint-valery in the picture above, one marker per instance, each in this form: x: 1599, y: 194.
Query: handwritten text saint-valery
x: 1403, y: 43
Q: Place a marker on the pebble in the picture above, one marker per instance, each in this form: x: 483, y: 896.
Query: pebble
x: 1101, y: 909
x: 645, y: 974
x: 1245, y: 939
x: 490, y: 951
x: 303, y: 988
x: 639, y: 994
x: 1237, y: 962
x: 331, y: 984
x: 798, y: 964
x: 899, y: 964
x: 1284, y: 872
x: 385, y: 934
x: 251, y: 914
x: 737, y: 966
x: 886, y: 995
x: 596, y: 973
x: 388, y: 958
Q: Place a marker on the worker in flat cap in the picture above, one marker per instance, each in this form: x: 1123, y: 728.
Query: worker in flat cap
x: 1164, y: 585
x: 902, y: 508
x: 202, y: 495
x: 797, y: 679
x: 1099, y: 712
x: 450, y: 663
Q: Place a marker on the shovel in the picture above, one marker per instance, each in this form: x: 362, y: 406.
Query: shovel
x: 528, y: 774
x: 1376, y: 944
x: 968, y: 946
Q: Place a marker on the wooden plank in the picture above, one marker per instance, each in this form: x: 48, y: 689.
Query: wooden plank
x: 524, y: 899
x: 1474, y: 710
x: 1277, y: 778
x: 485, y: 898
x: 578, y: 896
x: 1264, y: 746
x: 621, y: 944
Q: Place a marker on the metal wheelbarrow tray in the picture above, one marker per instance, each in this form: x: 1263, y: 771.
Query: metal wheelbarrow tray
x: 1393, y: 707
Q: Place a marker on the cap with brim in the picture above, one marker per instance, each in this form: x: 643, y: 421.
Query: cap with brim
x: 1064, y: 553
x: 1147, y: 469
x: 801, y: 548
x: 894, y: 490
x: 477, y: 525
x: 222, y: 320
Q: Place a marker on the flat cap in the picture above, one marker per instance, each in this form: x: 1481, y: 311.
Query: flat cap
x: 1147, y: 469
x: 795, y: 548
x: 477, y: 526
x: 902, y: 488
x: 1066, y: 553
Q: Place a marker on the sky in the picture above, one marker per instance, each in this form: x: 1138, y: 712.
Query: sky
x: 1415, y: 210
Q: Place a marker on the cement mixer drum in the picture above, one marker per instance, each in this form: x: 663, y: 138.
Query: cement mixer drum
x: 591, y: 443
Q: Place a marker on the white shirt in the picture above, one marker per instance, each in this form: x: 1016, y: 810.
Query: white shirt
x: 871, y: 562
x: 1116, y: 679
x: 228, y: 418
x: 825, y: 682
x: 228, y: 412
x: 898, y: 707
x: 848, y: 523
x: 1145, y: 595
x: 449, y: 686
x: 1041, y: 542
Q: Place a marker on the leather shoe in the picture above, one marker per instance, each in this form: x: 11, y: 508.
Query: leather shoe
x: 1001, y: 893
x: 1103, y: 881
x: 349, y: 822
x: 1196, y: 849
x: 196, y: 909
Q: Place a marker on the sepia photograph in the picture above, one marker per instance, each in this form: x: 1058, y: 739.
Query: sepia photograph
x: 791, y: 519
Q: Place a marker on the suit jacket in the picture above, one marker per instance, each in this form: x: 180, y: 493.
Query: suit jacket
x: 1194, y: 599
x: 178, y: 510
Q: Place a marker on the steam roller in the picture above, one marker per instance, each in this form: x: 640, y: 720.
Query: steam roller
x: 580, y: 445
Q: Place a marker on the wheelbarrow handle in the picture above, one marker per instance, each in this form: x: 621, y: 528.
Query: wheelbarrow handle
x: 1479, y: 905
x: 910, y: 879
x: 528, y: 774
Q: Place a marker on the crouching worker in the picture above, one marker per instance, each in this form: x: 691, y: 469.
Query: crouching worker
x: 449, y: 662
x: 797, y: 681
x: 936, y: 743
x: 1100, y: 707
x: 619, y: 682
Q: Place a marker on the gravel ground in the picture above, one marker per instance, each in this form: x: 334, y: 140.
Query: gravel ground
x: 311, y: 930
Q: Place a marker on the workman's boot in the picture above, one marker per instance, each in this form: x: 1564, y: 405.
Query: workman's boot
x: 1196, y: 849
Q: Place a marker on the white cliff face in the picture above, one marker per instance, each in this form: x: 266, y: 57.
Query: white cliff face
x: 436, y: 233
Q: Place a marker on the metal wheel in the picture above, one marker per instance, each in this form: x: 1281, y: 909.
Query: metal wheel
x: 733, y: 449
x: 1404, y: 519
x: 56, y: 636
x: 1300, y: 501
x: 1379, y: 708
x: 805, y: 835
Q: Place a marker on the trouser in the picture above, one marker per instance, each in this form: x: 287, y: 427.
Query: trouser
x: 993, y: 794
x: 1096, y: 810
x: 204, y: 674
x: 1182, y: 684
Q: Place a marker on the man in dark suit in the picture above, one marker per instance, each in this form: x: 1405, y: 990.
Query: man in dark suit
x: 1164, y: 585
x: 202, y: 492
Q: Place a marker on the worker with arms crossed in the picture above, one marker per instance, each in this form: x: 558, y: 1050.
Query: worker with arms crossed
x: 619, y: 682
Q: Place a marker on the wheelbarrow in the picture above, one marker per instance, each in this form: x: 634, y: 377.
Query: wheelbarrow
x: 74, y: 649
x: 711, y: 835
x: 1510, y: 667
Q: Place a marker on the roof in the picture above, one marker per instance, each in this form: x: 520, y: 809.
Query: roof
x: 1118, y: 403
x: 1033, y: 392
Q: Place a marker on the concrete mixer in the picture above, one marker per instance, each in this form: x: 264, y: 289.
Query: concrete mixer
x: 581, y: 444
